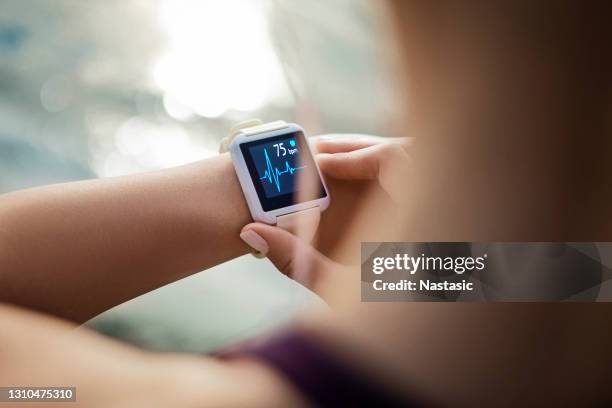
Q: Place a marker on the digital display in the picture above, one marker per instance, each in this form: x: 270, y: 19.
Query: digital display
x: 276, y: 165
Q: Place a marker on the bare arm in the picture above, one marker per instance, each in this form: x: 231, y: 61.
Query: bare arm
x: 77, y: 249
x: 36, y: 351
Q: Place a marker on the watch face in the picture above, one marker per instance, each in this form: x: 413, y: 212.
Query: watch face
x: 282, y: 170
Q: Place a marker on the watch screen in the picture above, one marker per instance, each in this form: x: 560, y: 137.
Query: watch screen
x: 282, y: 170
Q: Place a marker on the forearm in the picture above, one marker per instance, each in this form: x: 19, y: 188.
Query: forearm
x: 77, y: 249
x: 40, y: 351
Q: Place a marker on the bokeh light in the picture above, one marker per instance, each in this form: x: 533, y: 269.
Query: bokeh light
x: 218, y: 58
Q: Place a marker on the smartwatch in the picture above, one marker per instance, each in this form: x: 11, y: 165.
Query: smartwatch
x: 279, y: 176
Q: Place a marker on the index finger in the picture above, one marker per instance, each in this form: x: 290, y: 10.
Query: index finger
x: 344, y: 145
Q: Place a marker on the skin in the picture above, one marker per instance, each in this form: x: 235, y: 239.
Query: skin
x: 37, y: 350
x: 124, y: 248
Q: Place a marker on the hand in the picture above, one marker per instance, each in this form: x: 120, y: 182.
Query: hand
x: 385, y: 160
x: 369, y: 158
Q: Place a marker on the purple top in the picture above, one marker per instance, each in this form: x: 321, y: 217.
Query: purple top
x: 318, y: 375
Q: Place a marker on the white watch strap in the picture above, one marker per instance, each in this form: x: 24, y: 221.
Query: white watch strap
x: 303, y: 223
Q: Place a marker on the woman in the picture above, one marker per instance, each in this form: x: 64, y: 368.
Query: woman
x: 510, y: 106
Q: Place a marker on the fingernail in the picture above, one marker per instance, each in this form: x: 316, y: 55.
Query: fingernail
x: 255, y: 241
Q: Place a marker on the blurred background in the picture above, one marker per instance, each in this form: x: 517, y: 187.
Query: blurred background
x: 103, y: 88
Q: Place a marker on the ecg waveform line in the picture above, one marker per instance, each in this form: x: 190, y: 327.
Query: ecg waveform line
x: 272, y: 174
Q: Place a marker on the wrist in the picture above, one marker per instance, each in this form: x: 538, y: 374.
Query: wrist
x: 214, y: 209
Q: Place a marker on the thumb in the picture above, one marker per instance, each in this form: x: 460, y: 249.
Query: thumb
x: 291, y: 255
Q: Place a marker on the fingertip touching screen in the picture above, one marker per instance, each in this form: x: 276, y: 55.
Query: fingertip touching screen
x: 276, y: 165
